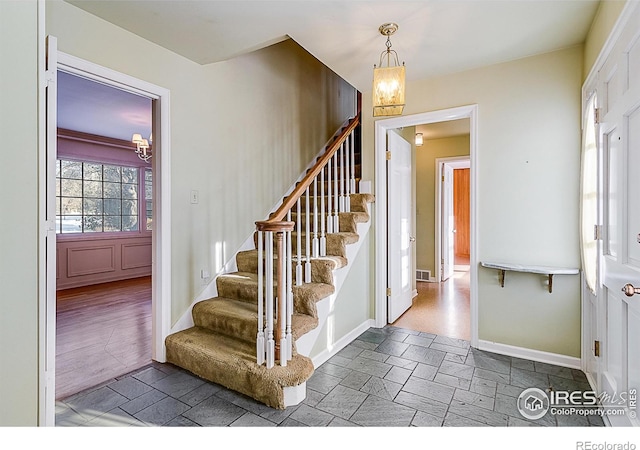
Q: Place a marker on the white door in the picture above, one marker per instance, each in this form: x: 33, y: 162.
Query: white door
x: 448, y: 223
x: 400, y: 270
x: 47, y: 377
x: 619, y: 136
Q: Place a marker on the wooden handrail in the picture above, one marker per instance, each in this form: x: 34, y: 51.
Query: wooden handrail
x: 300, y: 189
x: 279, y: 226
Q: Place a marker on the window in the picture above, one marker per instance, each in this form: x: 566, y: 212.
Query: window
x: 93, y: 197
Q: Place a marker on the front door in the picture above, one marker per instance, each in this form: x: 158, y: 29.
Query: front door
x: 400, y: 268
x: 619, y: 138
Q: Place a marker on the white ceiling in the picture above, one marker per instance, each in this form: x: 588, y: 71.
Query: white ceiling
x: 444, y: 129
x: 435, y: 37
x: 95, y: 108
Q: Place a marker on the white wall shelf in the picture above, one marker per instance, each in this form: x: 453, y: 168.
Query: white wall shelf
x: 544, y: 270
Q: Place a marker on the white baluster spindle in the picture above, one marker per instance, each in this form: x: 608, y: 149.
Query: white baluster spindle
x: 329, y: 211
x: 353, y: 163
x: 269, y: 295
x: 323, y: 217
x: 347, y: 187
x: 336, y: 200
x: 260, y: 355
x: 316, y: 234
x: 307, y: 264
x: 299, y: 244
x: 282, y: 298
x: 341, y: 151
x: 289, y: 289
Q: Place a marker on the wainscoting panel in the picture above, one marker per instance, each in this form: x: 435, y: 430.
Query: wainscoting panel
x: 90, y: 260
x: 136, y: 255
x: 85, y: 261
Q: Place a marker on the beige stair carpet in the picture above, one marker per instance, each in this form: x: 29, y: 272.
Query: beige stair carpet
x: 221, y: 346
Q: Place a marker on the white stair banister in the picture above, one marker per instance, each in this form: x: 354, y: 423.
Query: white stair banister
x: 289, y: 289
x: 316, y: 234
x: 353, y: 163
x: 347, y: 182
x: 269, y: 296
x: 299, y: 244
x: 342, y: 201
x: 323, y: 218
x: 329, y: 211
x: 307, y: 264
x: 336, y: 199
x: 260, y: 343
x: 281, y: 312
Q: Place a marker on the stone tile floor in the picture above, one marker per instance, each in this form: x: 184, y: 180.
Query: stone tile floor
x: 386, y: 377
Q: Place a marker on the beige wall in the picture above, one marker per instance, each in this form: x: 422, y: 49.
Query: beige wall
x: 19, y: 217
x: 426, y: 172
x: 352, y: 306
x: 528, y: 168
x: 242, y: 131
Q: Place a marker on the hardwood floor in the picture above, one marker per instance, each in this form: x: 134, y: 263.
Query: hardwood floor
x: 102, y: 331
x: 441, y: 308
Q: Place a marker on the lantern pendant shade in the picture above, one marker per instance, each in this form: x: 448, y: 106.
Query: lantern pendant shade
x: 388, y: 91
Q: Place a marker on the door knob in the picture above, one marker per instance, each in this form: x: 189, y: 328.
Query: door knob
x: 412, y: 239
x: 629, y: 290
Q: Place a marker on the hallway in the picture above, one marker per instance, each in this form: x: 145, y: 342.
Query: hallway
x: 441, y: 308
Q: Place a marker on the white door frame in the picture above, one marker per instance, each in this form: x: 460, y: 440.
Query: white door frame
x: 456, y: 162
x: 161, y: 240
x: 381, y: 127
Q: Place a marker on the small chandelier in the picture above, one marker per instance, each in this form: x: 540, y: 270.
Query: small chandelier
x: 143, y: 148
x: 388, y: 82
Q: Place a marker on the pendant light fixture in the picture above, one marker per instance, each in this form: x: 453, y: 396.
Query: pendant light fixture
x: 388, y: 79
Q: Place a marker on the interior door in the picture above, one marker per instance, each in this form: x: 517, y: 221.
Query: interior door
x: 448, y: 222
x: 399, y: 268
x: 48, y: 354
x: 619, y: 88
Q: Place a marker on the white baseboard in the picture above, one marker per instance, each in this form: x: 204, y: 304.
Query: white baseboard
x: 414, y: 294
x: 326, y: 354
x: 533, y: 355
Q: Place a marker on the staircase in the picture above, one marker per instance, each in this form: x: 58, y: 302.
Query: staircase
x: 245, y: 338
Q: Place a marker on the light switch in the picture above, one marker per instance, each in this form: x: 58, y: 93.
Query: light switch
x: 194, y: 197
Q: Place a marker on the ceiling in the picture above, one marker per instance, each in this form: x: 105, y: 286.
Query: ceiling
x: 434, y: 37
x: 92, y: 107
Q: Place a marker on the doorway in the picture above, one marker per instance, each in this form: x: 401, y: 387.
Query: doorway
x: 104, y: 229
x: 442, y: 203
x: 161, y: 243
x: 383, y: 266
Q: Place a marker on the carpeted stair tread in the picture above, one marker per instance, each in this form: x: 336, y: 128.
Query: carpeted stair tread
x: 303, y: 324
x: 321, y: 268
x: 238, y: 285
x: 307, y: 295
x: 232, y: 363
x: 240, y: 319
x: 243, y: 286
x: 347, y: 220
x: 227, y: 316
